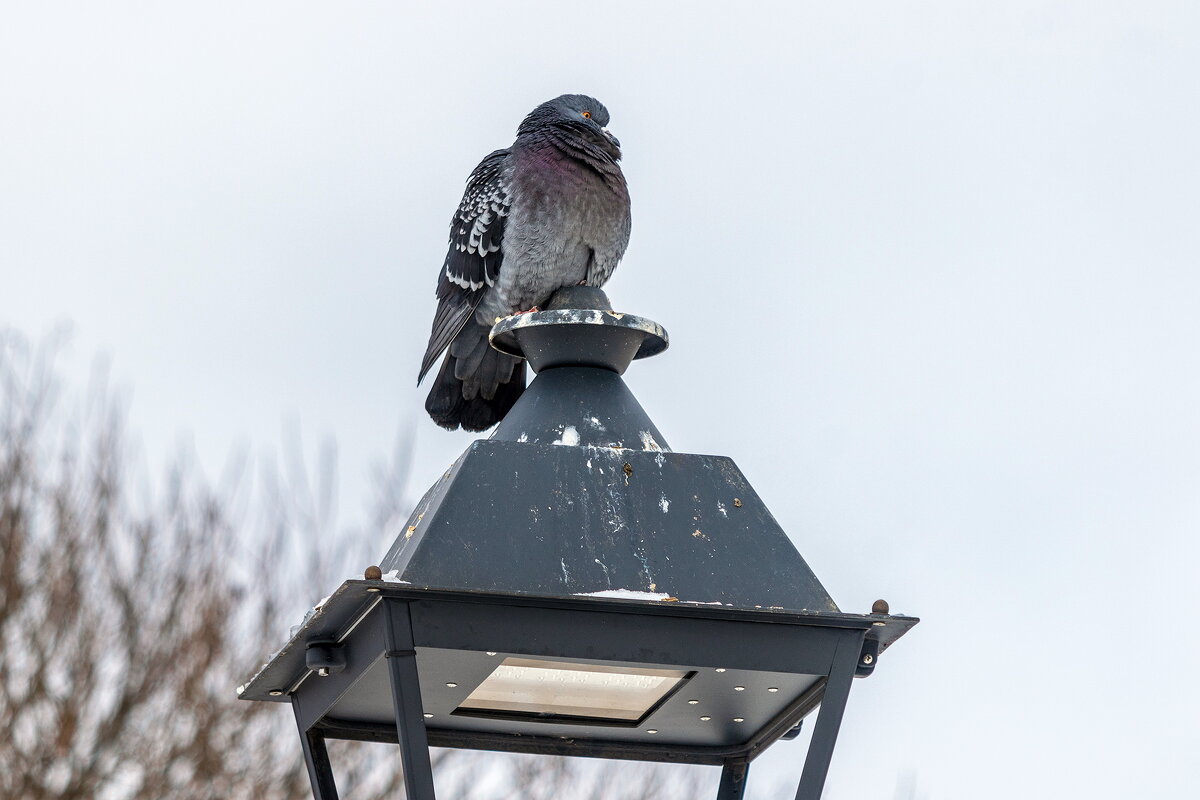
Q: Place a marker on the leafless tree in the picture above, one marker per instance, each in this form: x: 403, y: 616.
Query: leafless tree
x: 128, y: 614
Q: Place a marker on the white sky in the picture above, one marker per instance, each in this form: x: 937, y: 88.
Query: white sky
x: 929, y: 270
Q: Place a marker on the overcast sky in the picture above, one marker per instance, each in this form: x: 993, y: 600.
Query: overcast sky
x: 930, y: 271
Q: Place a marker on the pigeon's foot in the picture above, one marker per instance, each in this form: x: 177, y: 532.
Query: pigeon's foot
x: 527, y: 311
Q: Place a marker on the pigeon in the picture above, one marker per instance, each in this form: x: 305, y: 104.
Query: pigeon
x: 548, y: 212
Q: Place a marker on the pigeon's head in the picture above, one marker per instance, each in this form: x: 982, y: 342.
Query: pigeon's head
x: 577, y: 115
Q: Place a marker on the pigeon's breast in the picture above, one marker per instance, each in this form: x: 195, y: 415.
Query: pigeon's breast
x: 558, y: 214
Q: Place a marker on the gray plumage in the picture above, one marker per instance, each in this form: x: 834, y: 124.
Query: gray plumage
x: 550, y: 211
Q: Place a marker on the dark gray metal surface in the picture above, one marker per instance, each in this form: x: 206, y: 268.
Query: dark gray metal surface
x: 829, y: 722
x: 577, y: 492
x: 560, y: 520
x: 738, y: 697
x: 579, y: 328
x: 404, y: 690
x: 408, y: 651
x: 733, y: 781
x: 677, y: 721
x: 580, y: 406
x: 347, y: 611
x: 316, y: 761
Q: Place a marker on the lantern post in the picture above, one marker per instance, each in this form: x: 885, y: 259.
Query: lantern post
x: 571, y: 586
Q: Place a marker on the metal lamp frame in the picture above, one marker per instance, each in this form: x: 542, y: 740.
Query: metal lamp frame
x: 369, y: 624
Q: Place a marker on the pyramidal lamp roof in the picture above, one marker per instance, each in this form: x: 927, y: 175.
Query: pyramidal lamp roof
x: 577, y: 491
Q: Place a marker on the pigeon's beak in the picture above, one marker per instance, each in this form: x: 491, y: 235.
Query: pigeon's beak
x: 616, y: 142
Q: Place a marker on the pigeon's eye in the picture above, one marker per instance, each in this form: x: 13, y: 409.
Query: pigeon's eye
x: 587, y: 115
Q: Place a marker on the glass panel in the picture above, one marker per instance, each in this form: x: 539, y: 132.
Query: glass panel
x: 559, y: 689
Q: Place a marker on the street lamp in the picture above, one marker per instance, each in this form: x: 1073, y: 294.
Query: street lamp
x: 571, y: 586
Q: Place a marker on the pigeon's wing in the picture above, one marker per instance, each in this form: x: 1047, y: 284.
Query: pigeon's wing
x: 473, y: 260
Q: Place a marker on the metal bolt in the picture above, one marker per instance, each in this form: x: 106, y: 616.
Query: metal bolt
x: 451, y: 684
x: 705, y: 718
x: 372, y: 589
x: 772, y: 688
x: 275, y: 693
x: 429, y: 716
x: 868, y: 658
x: 737, y: 502
x: 490, y: 653
x: 720, y: 669
x: 739, y: 688
x: 693, y: 702
x: 739, y: 719
x: 652, y: 730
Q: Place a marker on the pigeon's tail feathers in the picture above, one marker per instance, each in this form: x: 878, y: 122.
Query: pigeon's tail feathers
x: 482, y: 413
x: 476, y: 385
x: 450, y: 319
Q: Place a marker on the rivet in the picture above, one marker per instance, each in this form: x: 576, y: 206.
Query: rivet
x: 868, y: 658
x: 372, y: 589
x: 720, y: 669
x: 739, y: 719
x: 772, y: 688
x: 693, y: 702
x: 739, y: 688
x: 275, y: 693
x: 429, y: 716
x: 490, y: 653
x: 451, y: 684
x: 652, y: 730
x: 705, y: 718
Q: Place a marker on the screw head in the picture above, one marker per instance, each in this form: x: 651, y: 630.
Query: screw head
x: 705, y: 718
x: 739, y: 719
x: 868, y: 659
x: 428, y: 716
x: 652, y: 730
x: 373, y: 589
x: 490, y: 653
x: 720, y: 669
x: 275, y: 693
x: 451, y: 684
x: 772, y: 689
x: 693, y: 702
x: 739, y: 688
